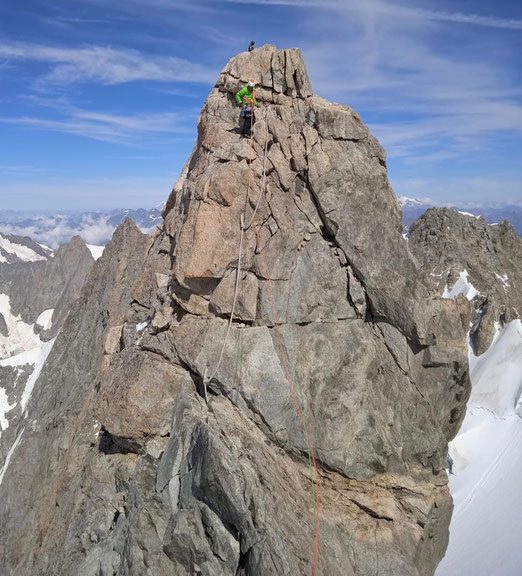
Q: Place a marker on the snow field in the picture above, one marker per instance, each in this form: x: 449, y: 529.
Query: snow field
x: 45, y: 350
x: 45, y: 320
x: 96, y: 251
x: 462, y: 286
x: 23, y: 252
x: 4, y: 409
x: 20, y: 335
x: 486, y: 528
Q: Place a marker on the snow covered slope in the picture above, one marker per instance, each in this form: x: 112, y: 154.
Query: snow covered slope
x: 37, y: 289
x: 486, y: 529
x: 22, y: 355
x: 96, y: 251
x: 18, y: 336
x: 21, y: 249
x: 462, y: 286
x: 35, y: 359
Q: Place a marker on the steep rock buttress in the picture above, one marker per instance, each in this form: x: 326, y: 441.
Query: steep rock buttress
x: 136, y: 474
x: 449, y: 244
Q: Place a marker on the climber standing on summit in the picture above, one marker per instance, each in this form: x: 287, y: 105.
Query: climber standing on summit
x: 246, y: 98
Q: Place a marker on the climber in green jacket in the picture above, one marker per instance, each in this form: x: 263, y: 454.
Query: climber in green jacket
x: 246, y: 98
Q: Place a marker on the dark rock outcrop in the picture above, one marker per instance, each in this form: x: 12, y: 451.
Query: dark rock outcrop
x: 137, y: 474
x: 447, y: 242
x: 3, y: 326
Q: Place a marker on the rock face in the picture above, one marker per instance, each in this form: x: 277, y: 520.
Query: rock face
x: 414, y: 208
x: 125, y: 469
x: 50, y: 284
x: 35, y: 297
x: 447, y: 243
x: 3, y: 327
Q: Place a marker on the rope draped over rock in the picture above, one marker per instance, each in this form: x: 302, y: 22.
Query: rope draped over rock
x: 314, y: 475
x: 243, y: 228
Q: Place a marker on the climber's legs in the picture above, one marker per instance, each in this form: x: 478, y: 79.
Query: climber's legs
x: 248, y: 118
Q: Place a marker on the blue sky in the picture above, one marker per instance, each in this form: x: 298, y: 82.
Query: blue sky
x: 99, y: 100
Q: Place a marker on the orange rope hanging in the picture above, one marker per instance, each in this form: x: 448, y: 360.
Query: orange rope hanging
x: 311, y: 453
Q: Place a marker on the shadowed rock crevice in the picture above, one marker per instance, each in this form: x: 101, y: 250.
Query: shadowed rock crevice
x: 110, y: 444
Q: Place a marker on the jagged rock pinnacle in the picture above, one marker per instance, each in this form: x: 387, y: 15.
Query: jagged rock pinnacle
x: 175, y: 485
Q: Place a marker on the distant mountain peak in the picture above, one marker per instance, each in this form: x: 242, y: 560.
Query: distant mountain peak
x: 493, y: 213
x: 405, y: 201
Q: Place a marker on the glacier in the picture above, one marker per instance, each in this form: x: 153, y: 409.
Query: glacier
x: 487, y: 466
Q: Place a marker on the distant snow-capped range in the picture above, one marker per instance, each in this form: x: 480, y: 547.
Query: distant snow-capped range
x: 412, y: 208
x: 95, y: 228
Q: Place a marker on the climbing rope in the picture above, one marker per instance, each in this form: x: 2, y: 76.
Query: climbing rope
x: 263, y: 179
x: 311, y: 453
x: 206, y: 380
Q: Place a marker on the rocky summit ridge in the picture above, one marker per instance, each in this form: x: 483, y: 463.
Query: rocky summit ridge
x: 122, y: 467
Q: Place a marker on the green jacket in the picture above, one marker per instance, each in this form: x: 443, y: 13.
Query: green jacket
x: 245, y: 92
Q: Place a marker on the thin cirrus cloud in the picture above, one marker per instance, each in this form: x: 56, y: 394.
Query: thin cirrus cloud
x: 421, y: 101
x: 395, y: 9
x: 14, y: 169
x: 440, y: 88
x: 106, y: 65
x: 106, y: 127
x: 463, y: 131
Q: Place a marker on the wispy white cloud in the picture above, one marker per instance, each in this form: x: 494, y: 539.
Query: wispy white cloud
x: 423, y: 101
x: 463, y: 18
x: 461, y: 131
x: 200, y: 6
x: 106, y: 65
x: 395, y: 9
x: 70, y: 20
x: 434, y: 85
x: 54, y: 232
x: 296, y: 3
x: 22, y: 169
x: 108, y: 127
